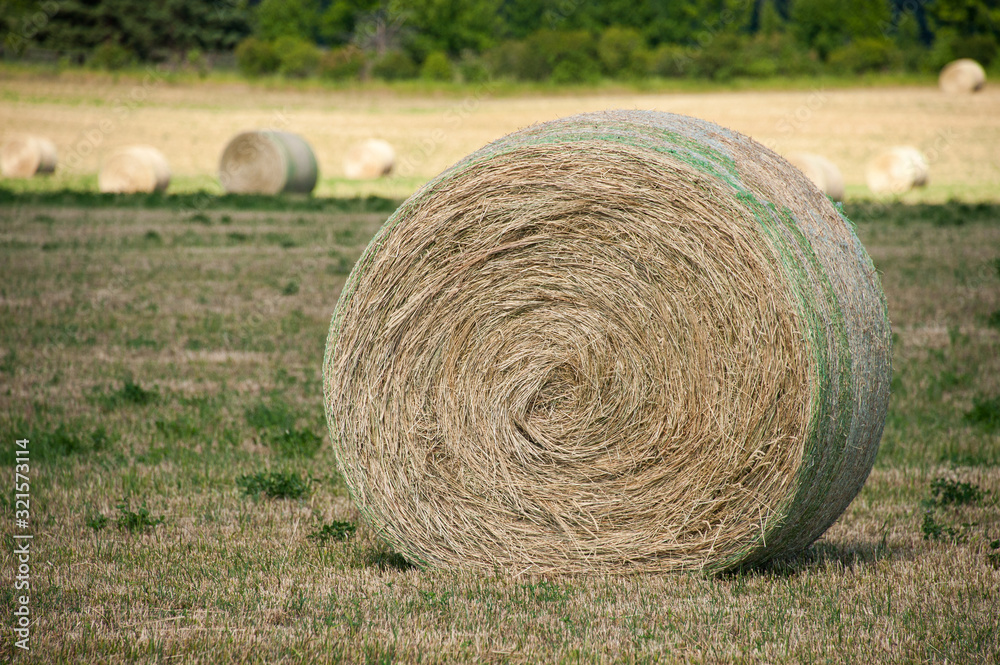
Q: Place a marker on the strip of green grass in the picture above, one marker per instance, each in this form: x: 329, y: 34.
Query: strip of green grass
x: 195, y: 201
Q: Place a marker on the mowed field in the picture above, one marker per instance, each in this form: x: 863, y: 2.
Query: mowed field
x: 162, y: 355
x: 87, y: 117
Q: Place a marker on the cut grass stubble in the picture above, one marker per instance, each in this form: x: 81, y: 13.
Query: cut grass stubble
x: 226, y: 577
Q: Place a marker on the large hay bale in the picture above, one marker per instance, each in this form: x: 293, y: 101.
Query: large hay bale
x: 962, y: 76
x: 369, y: 159
x: 621, y: 341
x: 26, y: 156
x: 897, y: 170
x: 821, y: 171
x: 268, y: 162
x: 137, y: 168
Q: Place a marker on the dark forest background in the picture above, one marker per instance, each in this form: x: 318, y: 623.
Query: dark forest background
x: 562, y: 41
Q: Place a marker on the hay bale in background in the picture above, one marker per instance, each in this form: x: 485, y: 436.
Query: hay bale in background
x: 821, y: 171
x: 621, y: 341
x: 369, y: 159
x: 137, y: 168
x: 27, y: 156
x: 268, y: 162
x: 897, y: 170
x: 962, y: 76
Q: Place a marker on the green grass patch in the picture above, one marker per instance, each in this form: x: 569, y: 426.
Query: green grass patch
x: 129, y: 394
x: 96, y: 521
x: 136, y: 521
x: 952, y: 213
x: 65, y: 440
x: 985, y: 413
x: 273, y: 485
x: 196, y: 203
x: 949, y: 492
x: 335, y: 531
x: 276, y: 423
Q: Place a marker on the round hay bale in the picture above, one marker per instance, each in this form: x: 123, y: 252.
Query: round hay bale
x: 137, y: 168
x: 621, y: 341
x: 897, y: 170
x: 821, y: 171
x: 268, y: 162
x: 962, y: 76
x: 369, y: 159
x: 27, y: 156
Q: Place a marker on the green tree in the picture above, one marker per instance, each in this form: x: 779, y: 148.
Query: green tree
x: 395, y: 65
x: 970, y: 28
x: 337, y: 22
x: 343, y: 62
x: 299, y: 57
x: 255, y: 57
x: 771, y: 21
x: 148, y: 31
x: 826, y: 25
x: 444, y: 25
x: 620, y: 51
x: 694, y: 22
x: 381, y: 29
x: 437, y: 67
x: 968, y: 17
x: 21, y: 20
x: 522, y: 17
x: 287, y: 18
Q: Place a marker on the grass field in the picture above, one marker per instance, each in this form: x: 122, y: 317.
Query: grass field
x: 162, y: 354
x: 164, y: 362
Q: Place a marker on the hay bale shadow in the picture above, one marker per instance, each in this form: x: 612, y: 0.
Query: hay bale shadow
x: 848, y: 555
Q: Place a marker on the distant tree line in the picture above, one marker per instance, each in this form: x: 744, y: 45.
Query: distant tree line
x: 533, y: 40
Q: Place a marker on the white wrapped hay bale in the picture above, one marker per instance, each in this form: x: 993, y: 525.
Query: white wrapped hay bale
x: 821, y: 171
x: 268, y: 162
x: 134, y: 169
x: 897, y: 170
x: 369, y: 159
x: 962, y: 76
x: 622, y: 341
x: 25, y: 156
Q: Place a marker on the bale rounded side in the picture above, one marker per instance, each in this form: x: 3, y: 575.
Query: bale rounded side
x: 268, y: 162
x: 369, y: 159
x: 137, y: 168
x: 897, y: 170
x: 26, y: 156
x: 622, y: 341
x: 962, y: 76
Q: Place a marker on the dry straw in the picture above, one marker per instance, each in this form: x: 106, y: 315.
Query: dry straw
x: 897, y: 170
x: 369, y: 159
x: 623, y: 341
x: 821, y: 171
x: 268, y: 162
x: 26, y: 156
x: 962, y: 76
x: 137, y: 168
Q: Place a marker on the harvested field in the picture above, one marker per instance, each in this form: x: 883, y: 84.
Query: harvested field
x: 162, y: 355
x: 165, y: 363
x: 191, y: 124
